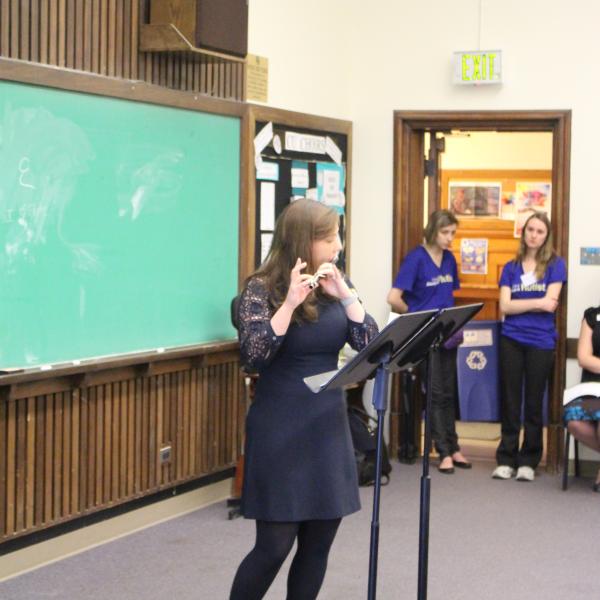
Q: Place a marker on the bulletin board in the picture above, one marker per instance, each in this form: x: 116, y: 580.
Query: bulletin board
x: 295, y: 155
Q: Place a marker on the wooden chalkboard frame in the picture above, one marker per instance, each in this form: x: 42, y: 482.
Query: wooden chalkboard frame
x: 284, y: 118
x: 135, y: 91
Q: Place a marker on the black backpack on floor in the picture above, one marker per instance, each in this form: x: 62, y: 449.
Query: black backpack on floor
x: 363, y: 429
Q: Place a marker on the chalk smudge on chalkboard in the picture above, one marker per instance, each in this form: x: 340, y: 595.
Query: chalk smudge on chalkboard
x: 152, y: 186
x: 41, y: 159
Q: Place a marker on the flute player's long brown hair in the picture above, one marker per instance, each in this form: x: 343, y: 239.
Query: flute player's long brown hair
x: 299, y: 225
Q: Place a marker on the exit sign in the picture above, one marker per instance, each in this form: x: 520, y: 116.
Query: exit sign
x: 478, y: 67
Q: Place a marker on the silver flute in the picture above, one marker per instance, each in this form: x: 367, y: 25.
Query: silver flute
x: 314, y: 280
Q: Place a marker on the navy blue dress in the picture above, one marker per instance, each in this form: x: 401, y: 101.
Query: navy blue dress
x: 299, y: 460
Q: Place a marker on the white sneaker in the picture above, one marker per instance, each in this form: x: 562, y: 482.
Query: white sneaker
x: 503, y: 472
x: 525, y: 474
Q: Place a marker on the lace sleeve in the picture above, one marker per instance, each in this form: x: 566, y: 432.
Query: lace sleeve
x: 360, y: 334
x: 258, y: 342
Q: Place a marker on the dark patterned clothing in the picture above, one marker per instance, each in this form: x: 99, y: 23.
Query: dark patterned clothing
x: 588, y: 408
x: 592, y: 318
x: 299, y: 460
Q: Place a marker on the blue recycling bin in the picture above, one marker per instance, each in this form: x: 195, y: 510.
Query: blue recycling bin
x: 478, y: 372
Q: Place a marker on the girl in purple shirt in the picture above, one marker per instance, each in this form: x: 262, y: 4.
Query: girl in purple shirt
x: 530, y: 287
x: 426, y: 279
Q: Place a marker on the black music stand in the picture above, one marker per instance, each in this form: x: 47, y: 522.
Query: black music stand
x: 375, y: 358
x: 423, y: 345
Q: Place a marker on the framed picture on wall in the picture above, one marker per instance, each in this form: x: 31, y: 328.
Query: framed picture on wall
x: 474, y: 198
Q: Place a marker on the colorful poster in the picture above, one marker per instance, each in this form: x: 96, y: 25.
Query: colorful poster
x: 529, y: 198
x: 475, y: 199
x: 473, y: 256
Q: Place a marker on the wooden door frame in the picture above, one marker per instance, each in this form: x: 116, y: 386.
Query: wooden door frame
x: 409, y: 129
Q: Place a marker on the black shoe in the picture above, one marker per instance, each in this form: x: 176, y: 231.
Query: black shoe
x: 462, y: 464
x: 446, y: 470
x: 596, y: 486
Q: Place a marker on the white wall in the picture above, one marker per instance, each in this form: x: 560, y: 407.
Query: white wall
x: 362, y: 61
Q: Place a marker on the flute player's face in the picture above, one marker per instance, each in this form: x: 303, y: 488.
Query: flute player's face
x: 327, y: 249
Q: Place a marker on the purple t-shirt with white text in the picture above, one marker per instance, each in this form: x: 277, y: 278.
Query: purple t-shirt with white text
x: 425, y: 285
x: 536, y: 329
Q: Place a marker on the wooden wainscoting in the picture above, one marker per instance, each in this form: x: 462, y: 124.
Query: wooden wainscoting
x: 102, y: 37
x: 91, y: 441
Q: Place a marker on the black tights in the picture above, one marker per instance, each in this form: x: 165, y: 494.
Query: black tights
x: 274, y: 541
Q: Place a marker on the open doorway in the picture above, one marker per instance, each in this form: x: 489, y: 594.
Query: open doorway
x: 469, y: 162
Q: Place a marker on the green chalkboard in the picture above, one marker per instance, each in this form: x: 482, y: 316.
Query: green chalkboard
x: 118, y: 226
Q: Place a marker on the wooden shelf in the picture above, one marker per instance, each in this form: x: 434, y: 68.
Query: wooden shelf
x: 166, y: 37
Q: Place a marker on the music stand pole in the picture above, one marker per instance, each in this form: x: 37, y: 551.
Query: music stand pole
x: 426, y: 483
x: 380, y: 405
x: 406, y: 448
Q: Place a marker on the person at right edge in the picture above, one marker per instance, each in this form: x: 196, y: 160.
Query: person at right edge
x: 582, y: 415
x: 530, y: 287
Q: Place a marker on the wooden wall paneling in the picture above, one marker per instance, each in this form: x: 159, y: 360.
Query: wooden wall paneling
x: 121, y: 43
x: 102, y: 36
x: 3, y: 457
x: 83, y: 430
x: 232, y: 419
x: 61, y: 32
x: 220, y: 408
x: 134, y: 37
x: 5, y: 28
x: 66, y: 455
x: 200, y: 435
x: 177, y: 398
x: 138, y: 436
x: 75, y: 450
x: 11, y: 439
x: 221, y: 440
x: 229, y: 402
x: 80, y: 8
x: 203, y: 80
x: 210, y: 417
x: 160, y: 409
x: 40, y: 482
x: 115, y: 445
x: 56, y: 451
x: 107, y: 420
x: 91, y: 464
x: 70, y: 34
x: 87, y: 34
x: 146, y: 424
x: 44, y: 31
x: 34, y: 42
x: 123, y: 441
x: 130, y: 395
x: 25, y: 30
x: 14, y: 27
x: 126, y: 53
x: 95, y: 36
x: 151, y: 451
x: 185, y: 424
x: 193, y: 445
x: 100, y: 442
x: 169, y: 435
x: 21, y: 449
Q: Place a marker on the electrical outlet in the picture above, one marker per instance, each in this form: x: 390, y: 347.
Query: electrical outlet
x: 165, y: 454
